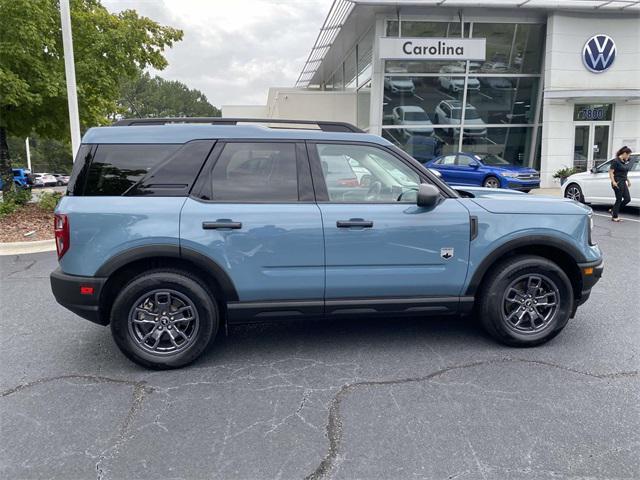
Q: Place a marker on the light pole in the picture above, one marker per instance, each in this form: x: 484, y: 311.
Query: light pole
x: 70, y: 74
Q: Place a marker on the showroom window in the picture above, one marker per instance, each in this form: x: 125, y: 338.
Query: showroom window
x: 432, y: 108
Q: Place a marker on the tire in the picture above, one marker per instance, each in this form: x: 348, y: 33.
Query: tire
x: 172, y: 291
x: 574, y: 192
x: 527, y: 190
x: 500, y: 309
x: 491, y: 182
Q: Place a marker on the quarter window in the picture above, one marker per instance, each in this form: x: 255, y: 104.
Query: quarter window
x: 256, y: 172
x: 360, y: 173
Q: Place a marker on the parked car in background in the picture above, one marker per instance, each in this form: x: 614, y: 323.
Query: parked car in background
x: 595, y: 186
x: 499, y: 84
x: 399, y: 85
x: 44, y: 180
x: 486, y: 170
x: 414, y: 118
x: 62, y: 179
x: 455, y: 84
x: 449, y: 112
x: 20, y: 178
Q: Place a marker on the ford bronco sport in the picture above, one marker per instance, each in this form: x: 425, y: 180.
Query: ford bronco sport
x: 174, y: 228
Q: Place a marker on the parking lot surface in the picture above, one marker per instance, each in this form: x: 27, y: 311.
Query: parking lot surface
x: 385, y: 398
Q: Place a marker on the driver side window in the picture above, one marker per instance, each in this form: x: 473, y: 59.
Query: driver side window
x: 366, y: 174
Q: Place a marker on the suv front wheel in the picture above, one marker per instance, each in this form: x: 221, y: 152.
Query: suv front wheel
x: 164, y: 319
x: 525, y: 301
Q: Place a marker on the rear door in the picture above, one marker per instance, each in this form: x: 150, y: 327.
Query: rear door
x: 253, y: 212
x: 379, y: 244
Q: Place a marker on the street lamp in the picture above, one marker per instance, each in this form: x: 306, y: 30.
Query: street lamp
x: 70, y: 74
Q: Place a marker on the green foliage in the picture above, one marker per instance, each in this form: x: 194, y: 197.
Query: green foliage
x: 567, y: 172
x: 108, y: 49
x: 156, y: 97
x: 19, y: 197
x: 7, y: 207
x: 48, y: 201
x: 47, y: 155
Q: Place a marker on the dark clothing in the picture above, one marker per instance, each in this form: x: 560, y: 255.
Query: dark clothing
x: 620, y: 169
x: 622, y: 196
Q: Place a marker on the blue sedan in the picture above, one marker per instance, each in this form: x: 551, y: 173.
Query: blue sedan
x: 485, y: 170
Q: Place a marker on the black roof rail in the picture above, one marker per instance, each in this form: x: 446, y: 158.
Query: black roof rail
x: 326, y: 126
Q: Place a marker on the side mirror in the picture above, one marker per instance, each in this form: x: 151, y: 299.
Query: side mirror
x: 428, y: 195
x: 594, y: 170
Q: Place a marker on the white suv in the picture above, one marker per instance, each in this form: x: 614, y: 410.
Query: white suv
x: 595, y: 186
x: 449, y: 112
x: 456, y: 84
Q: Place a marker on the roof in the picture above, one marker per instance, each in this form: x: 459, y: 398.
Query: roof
x: 185, y: 132
x: 341, y: 11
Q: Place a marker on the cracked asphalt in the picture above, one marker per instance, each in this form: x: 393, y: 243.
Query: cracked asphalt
x: 374, y: 399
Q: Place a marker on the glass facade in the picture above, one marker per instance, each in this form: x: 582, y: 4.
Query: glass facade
x: 430, y: 108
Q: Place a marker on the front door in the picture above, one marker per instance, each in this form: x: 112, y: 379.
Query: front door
x: 252, y: 212
x: 378, y: 242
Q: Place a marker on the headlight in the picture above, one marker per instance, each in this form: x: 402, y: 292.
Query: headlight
x: 510, y: 175
x: 591, y: 242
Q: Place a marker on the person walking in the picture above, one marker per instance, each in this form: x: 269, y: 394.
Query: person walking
x: 619, y: 182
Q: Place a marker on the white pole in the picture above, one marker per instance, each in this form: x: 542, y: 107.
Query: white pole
x: 26, y: 147
x: 70, y: 74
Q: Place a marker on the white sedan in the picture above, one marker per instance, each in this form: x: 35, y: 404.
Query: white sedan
x: 595, y: 186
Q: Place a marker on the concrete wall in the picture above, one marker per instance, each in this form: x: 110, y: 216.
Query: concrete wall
x: 245, y: 111
x: 567, y: 82
x: 296, y: 104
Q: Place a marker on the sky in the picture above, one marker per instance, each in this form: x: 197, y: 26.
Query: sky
x: 234, y: 50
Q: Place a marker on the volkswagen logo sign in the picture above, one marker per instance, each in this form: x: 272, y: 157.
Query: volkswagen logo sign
x: 599, y: 53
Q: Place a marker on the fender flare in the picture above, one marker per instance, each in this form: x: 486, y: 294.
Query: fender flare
x: 170, y: 251
x: 528, y: 241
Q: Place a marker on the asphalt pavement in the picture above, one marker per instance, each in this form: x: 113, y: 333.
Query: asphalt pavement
x: 372, y: 399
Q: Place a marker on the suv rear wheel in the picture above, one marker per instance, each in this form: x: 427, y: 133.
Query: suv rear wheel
x: 525, y: 301
x: 164, y: 319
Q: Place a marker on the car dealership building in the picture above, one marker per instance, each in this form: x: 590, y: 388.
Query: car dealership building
x: 544, y: 83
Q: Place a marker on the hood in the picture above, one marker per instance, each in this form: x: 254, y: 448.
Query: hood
x: 512, y: 168
x: 513, y: 202
x: 402, y: 82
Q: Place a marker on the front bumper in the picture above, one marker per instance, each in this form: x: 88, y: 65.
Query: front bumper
x: 591, y: 273
x: 71, y: 291
x: 522, y: 184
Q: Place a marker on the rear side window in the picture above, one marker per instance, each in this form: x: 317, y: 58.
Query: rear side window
x: 256, y: 172
x: 115, y: 169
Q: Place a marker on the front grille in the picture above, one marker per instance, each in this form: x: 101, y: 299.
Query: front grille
x: 529, y: 176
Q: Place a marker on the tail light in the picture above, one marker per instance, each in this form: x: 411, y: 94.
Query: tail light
x: 348, y: 182
x: 61, y: 230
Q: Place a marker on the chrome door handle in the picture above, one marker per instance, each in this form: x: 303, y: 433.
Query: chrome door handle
x: 221, y: 224
x: 354, y: 222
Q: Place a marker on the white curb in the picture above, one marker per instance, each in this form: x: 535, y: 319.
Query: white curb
x: 19, y: 248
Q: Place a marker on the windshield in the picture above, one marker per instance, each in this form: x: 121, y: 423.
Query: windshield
x: 493, y: 160
x: 416, y: 117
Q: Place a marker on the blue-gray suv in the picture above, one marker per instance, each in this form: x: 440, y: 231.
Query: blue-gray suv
x: 174, y: 228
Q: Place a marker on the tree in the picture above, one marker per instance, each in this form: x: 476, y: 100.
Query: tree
x: 156, y: 97
x: 108, y: 49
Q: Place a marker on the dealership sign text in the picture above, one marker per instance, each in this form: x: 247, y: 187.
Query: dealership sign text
x: 433, y: 48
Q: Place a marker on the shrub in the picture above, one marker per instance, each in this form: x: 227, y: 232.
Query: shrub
x: 20, y: 197
x: 566, y: 172
x: 48, y: 201
x: 7, y: 206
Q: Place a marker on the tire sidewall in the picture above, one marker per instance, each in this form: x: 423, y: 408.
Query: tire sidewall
x: 189, y: 287
x: 494, y: 293
x: 490, y: 177
x: 572, y: 185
